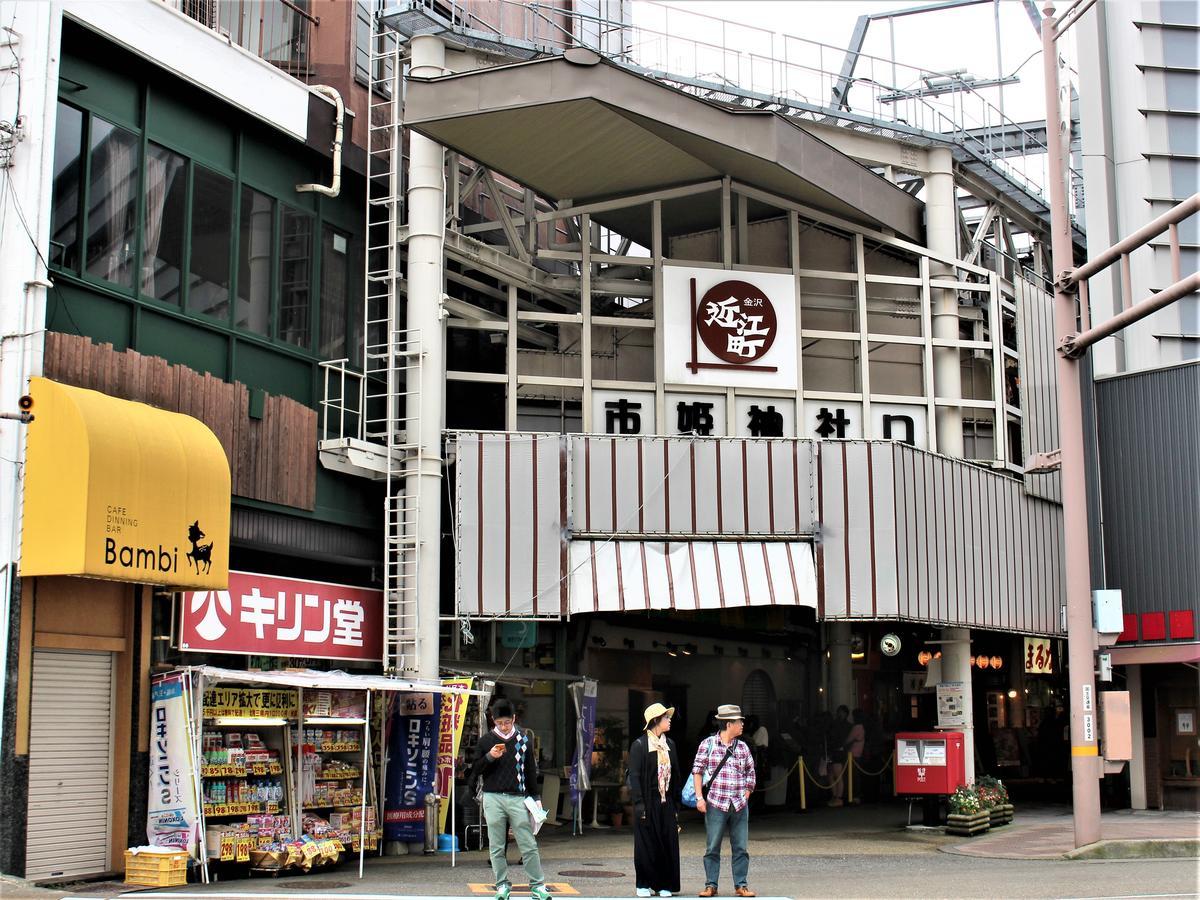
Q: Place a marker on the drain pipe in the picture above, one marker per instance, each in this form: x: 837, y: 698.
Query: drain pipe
x: 335, y: 188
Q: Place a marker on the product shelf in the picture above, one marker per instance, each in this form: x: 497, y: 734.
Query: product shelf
x: 228, y: 771
x: 224, y: 810
x: 337, y: 748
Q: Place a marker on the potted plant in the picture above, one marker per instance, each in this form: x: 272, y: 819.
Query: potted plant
x: 967, y: 815
x: 616, y: 814
x: 993, y: 796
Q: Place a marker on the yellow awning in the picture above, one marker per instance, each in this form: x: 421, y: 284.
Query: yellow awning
x: 121, y: 490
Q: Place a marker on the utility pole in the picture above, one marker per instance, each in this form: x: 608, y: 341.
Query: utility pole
x: 1070, y: 283
x: 1081, y: 635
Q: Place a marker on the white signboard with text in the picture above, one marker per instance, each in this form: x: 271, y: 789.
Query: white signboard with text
x: 729, y: 328
x: 623, y: 412
x: 951, y: 704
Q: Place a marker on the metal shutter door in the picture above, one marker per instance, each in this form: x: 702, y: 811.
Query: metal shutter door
x: 70, y: 764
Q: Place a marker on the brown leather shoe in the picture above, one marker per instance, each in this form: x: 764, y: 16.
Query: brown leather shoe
x: 743, y: 891
x: 710, y: 890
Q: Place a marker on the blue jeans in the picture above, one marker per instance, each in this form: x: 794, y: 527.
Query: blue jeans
x: 716, y: 821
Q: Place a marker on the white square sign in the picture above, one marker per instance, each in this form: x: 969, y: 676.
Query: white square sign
x: 623, y: 412
x: 702, y: 415
x: 729, y: 328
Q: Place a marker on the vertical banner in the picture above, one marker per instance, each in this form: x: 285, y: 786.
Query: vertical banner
x: 412, y: 766
x: 453, y: 714
x: 172, y: 818
x: 584, y: 695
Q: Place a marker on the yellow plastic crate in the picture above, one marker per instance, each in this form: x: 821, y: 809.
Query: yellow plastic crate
x: 156, y: 869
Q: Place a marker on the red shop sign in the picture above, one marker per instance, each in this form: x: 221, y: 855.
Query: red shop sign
x: 270, y: 616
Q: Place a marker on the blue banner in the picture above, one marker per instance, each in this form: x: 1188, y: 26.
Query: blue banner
x: 412, y: 765
x: 584, y: 694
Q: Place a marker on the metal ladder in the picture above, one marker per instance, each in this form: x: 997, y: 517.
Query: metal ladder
x: 391, y: 354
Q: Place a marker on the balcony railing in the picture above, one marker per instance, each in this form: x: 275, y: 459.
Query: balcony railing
x: 279, y: 31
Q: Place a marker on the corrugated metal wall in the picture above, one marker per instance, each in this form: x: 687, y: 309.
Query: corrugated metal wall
x: 663, y: 486
x: 509, y: 523
x: 912, y: 535
x: 1039, y: 383
x: 1148, y: 434
x: 903, y: 533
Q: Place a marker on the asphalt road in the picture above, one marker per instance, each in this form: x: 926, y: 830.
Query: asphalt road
x: 851, y: 853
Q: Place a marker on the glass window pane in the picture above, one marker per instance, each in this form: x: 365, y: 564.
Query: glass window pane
x: 212, y: 223
x: 897, y: 369
x: 295, y: 277
x: 112, y: 203
x: 832, y: 366
x: 255, y: 236
x: 893, y: 309
x: 335, y: 294
x: 162, y: 240
x: 68, y: 159
x: 828, y: 304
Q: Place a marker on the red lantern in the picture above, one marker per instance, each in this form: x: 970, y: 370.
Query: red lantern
x: 997, y: 662
x: 982, y: 661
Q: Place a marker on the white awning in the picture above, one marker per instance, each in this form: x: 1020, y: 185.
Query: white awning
x: 336, y: 680
x: 623, y: 576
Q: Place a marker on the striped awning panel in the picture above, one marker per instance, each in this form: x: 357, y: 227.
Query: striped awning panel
x: 621, y: 576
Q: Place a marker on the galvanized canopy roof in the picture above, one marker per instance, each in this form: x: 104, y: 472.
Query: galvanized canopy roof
x: 583, y: 128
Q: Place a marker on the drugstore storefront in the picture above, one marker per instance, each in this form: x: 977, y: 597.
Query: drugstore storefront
x: 120, y: 498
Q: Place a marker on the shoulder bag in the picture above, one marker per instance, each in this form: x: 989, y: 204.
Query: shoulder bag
x: 689, y: 797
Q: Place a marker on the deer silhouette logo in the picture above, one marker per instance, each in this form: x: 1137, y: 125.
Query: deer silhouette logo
x: 200, y: 553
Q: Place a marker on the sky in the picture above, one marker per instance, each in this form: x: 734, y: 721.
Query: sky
x: 963, y: 38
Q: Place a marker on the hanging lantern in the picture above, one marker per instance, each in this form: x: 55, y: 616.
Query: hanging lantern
x: 924, y: 657
x: 997, y: 662
x: 982, y: 661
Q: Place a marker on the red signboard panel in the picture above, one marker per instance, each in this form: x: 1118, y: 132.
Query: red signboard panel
x: 1154, y: 626
x: 1183, y: 624
x: 272, y: 616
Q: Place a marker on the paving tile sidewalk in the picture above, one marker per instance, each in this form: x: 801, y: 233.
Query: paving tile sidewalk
x: 1052, y: 836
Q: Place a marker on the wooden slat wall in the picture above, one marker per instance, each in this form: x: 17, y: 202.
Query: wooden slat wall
x: 273, y: 459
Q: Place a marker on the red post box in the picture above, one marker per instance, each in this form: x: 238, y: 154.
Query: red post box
x: 929, y: 762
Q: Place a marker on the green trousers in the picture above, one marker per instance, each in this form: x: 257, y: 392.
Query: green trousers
x: 504, y: 811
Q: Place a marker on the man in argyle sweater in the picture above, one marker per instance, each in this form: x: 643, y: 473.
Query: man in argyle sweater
x: 506, y: 763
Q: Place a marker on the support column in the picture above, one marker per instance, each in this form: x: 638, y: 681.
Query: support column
x: 426, y: 287
x: 1081, y: 632
x: 24, y: 281
x: 941, y: 226
x: 1137, y: 765
x: 956, y: 666
x: 841, y: 679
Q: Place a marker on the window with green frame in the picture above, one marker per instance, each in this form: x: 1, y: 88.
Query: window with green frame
x: 145, y: 220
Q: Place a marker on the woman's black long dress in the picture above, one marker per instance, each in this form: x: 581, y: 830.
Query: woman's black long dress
x: 655, y: 827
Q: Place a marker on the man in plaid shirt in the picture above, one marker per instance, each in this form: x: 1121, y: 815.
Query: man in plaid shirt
x: 725, y: 804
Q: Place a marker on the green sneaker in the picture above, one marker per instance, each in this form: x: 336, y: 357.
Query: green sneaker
x: 540, y: 893
x: 502, y: 891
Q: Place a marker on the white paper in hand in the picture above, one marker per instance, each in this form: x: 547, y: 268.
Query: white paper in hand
x: 537, y: 815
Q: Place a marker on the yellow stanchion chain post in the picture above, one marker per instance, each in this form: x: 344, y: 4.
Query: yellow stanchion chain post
x: 850, y: 777
x: 803, y: 799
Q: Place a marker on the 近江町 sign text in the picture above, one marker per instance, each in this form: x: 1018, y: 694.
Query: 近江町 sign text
x: 275, y: 616
x: 729, y: 328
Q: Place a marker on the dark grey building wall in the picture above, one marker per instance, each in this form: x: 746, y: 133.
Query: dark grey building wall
x: 1148, y: 438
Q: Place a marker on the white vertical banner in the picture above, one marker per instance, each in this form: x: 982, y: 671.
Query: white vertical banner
x: 172, y: 819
